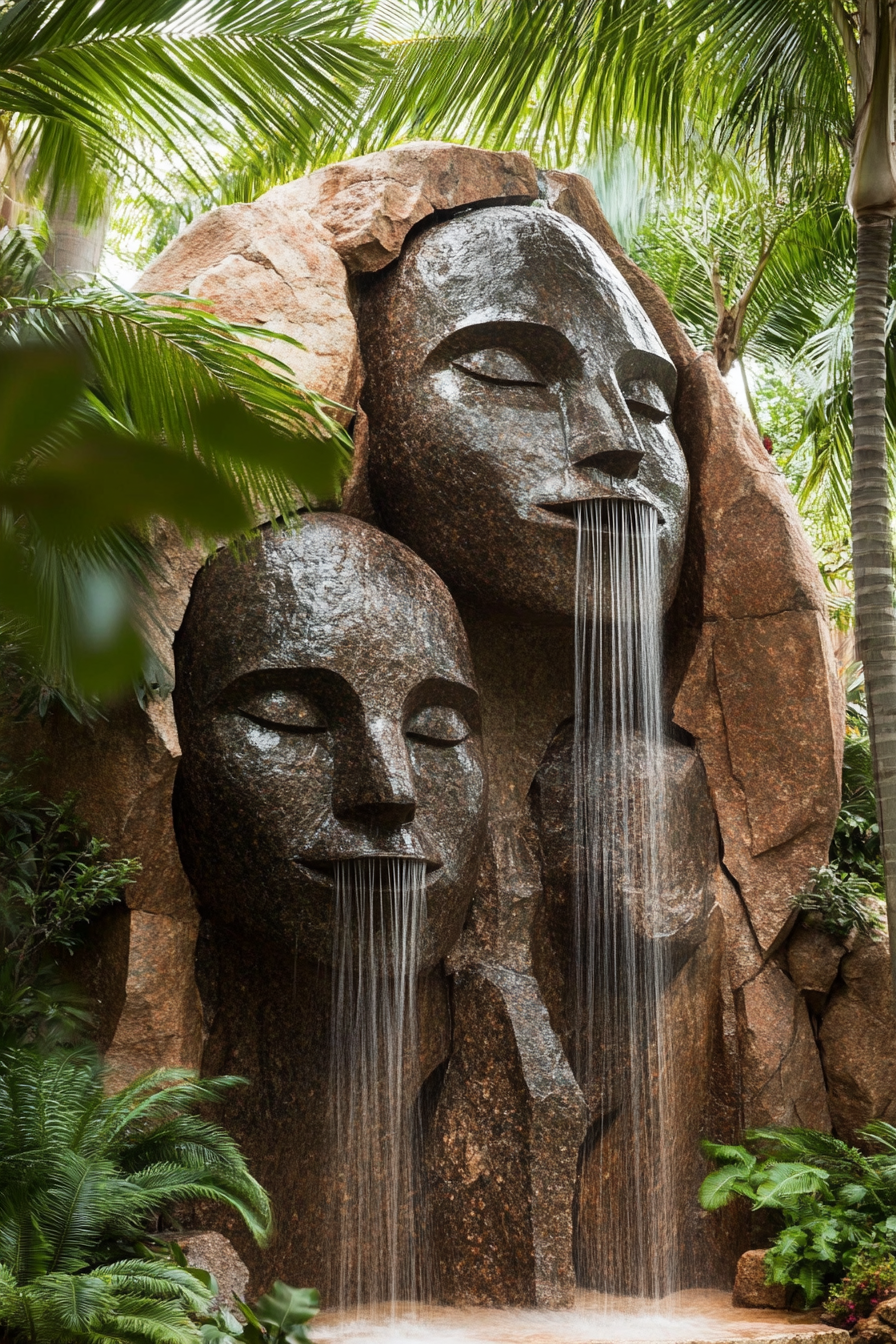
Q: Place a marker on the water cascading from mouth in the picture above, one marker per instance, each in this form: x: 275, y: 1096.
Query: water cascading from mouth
x: 381, y: 1241
x: 626, y: 1234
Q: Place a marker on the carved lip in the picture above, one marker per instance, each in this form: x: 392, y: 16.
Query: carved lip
x: 324, y: 869
x: 563, y: 511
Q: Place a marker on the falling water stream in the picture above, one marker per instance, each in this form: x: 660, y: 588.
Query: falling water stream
x: 627, y: 1242
x: 380, y: 1239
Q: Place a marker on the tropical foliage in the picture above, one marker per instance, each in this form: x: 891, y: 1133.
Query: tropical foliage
x: 86, y: 89
x: 832, y: 1201
x: 142, y: 411
x: 841, y: 903
x: 281, y: 1315
x: 54, y: 878
x: 84, y: 1177
x: 117, y: 410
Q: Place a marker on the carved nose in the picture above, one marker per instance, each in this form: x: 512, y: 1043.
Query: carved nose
x: 384, y: 813
x: 622, y: 464
x: 375, y: 783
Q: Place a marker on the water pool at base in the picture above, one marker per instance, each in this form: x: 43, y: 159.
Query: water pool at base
x: 698, y: 1316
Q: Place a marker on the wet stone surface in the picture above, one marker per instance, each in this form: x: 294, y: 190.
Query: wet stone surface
x: 499, y: 394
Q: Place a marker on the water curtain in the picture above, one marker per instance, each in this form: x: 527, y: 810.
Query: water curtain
x: 380, y: 1234
x: 620, y: 970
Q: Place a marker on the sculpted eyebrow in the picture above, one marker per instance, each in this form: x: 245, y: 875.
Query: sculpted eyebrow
x: 536, y: 340
x: 648, y: 364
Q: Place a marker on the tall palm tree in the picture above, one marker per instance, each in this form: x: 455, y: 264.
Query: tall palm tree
x: 801, y: 82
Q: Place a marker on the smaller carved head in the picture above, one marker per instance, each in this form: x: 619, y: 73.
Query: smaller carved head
x: 327, y: 711
x: 512, y: 375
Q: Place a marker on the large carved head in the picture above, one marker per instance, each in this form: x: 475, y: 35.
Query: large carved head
x: 513, y: 374
x: 327, y: 711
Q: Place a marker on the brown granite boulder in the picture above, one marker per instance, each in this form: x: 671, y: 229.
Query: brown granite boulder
x: 874, y: 1329
x: 367, y: 206
x: 780, y: 1076
x: 760, y: 693
x: 750, y: 1287
x: 813, y: 960
x: 214, y: 1253
x: 161, y: 1022
x: 858, y: 1040
x: 270, y: 266
x: 783, y: 1083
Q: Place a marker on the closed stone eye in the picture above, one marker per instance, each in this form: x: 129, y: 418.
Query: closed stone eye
x: 498, y: 366
x: 437, y: 724
x: 287, y: 710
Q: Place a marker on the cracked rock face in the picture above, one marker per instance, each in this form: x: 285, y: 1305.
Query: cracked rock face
x: 367, y: 206
x: 858, y: 1039
x: 271, y: 267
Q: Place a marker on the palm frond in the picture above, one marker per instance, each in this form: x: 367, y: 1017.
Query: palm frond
x: 179, y: 73
x: 156, y: 366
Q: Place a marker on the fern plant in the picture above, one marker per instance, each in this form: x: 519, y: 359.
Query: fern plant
x: 833, y: 1200
x: 84, y: 1178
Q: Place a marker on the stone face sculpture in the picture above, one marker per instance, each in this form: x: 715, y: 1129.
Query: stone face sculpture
x: 319, y: 683
x: 512, y: 373
x: 327, y: 712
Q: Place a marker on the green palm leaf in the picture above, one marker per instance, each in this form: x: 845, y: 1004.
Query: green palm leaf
x: 173, y: 71
x: 158, y: 366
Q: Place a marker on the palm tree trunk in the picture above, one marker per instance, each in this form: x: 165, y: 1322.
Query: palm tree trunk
x: 871, y: 544
x: 73, y: 251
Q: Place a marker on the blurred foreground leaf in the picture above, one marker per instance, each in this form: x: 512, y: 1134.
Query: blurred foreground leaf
x: 78, y: 487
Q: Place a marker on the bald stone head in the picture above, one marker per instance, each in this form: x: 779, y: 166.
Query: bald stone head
x: 512, y: 375
x: 327, y: 711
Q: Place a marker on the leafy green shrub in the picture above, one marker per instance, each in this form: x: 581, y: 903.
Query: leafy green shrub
x: 871, y: 1279
x: 281, y: 1315
x: 53, y: 880
x: 833, y: 1200
x: 83, y: 1179
x: 841, y: 902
